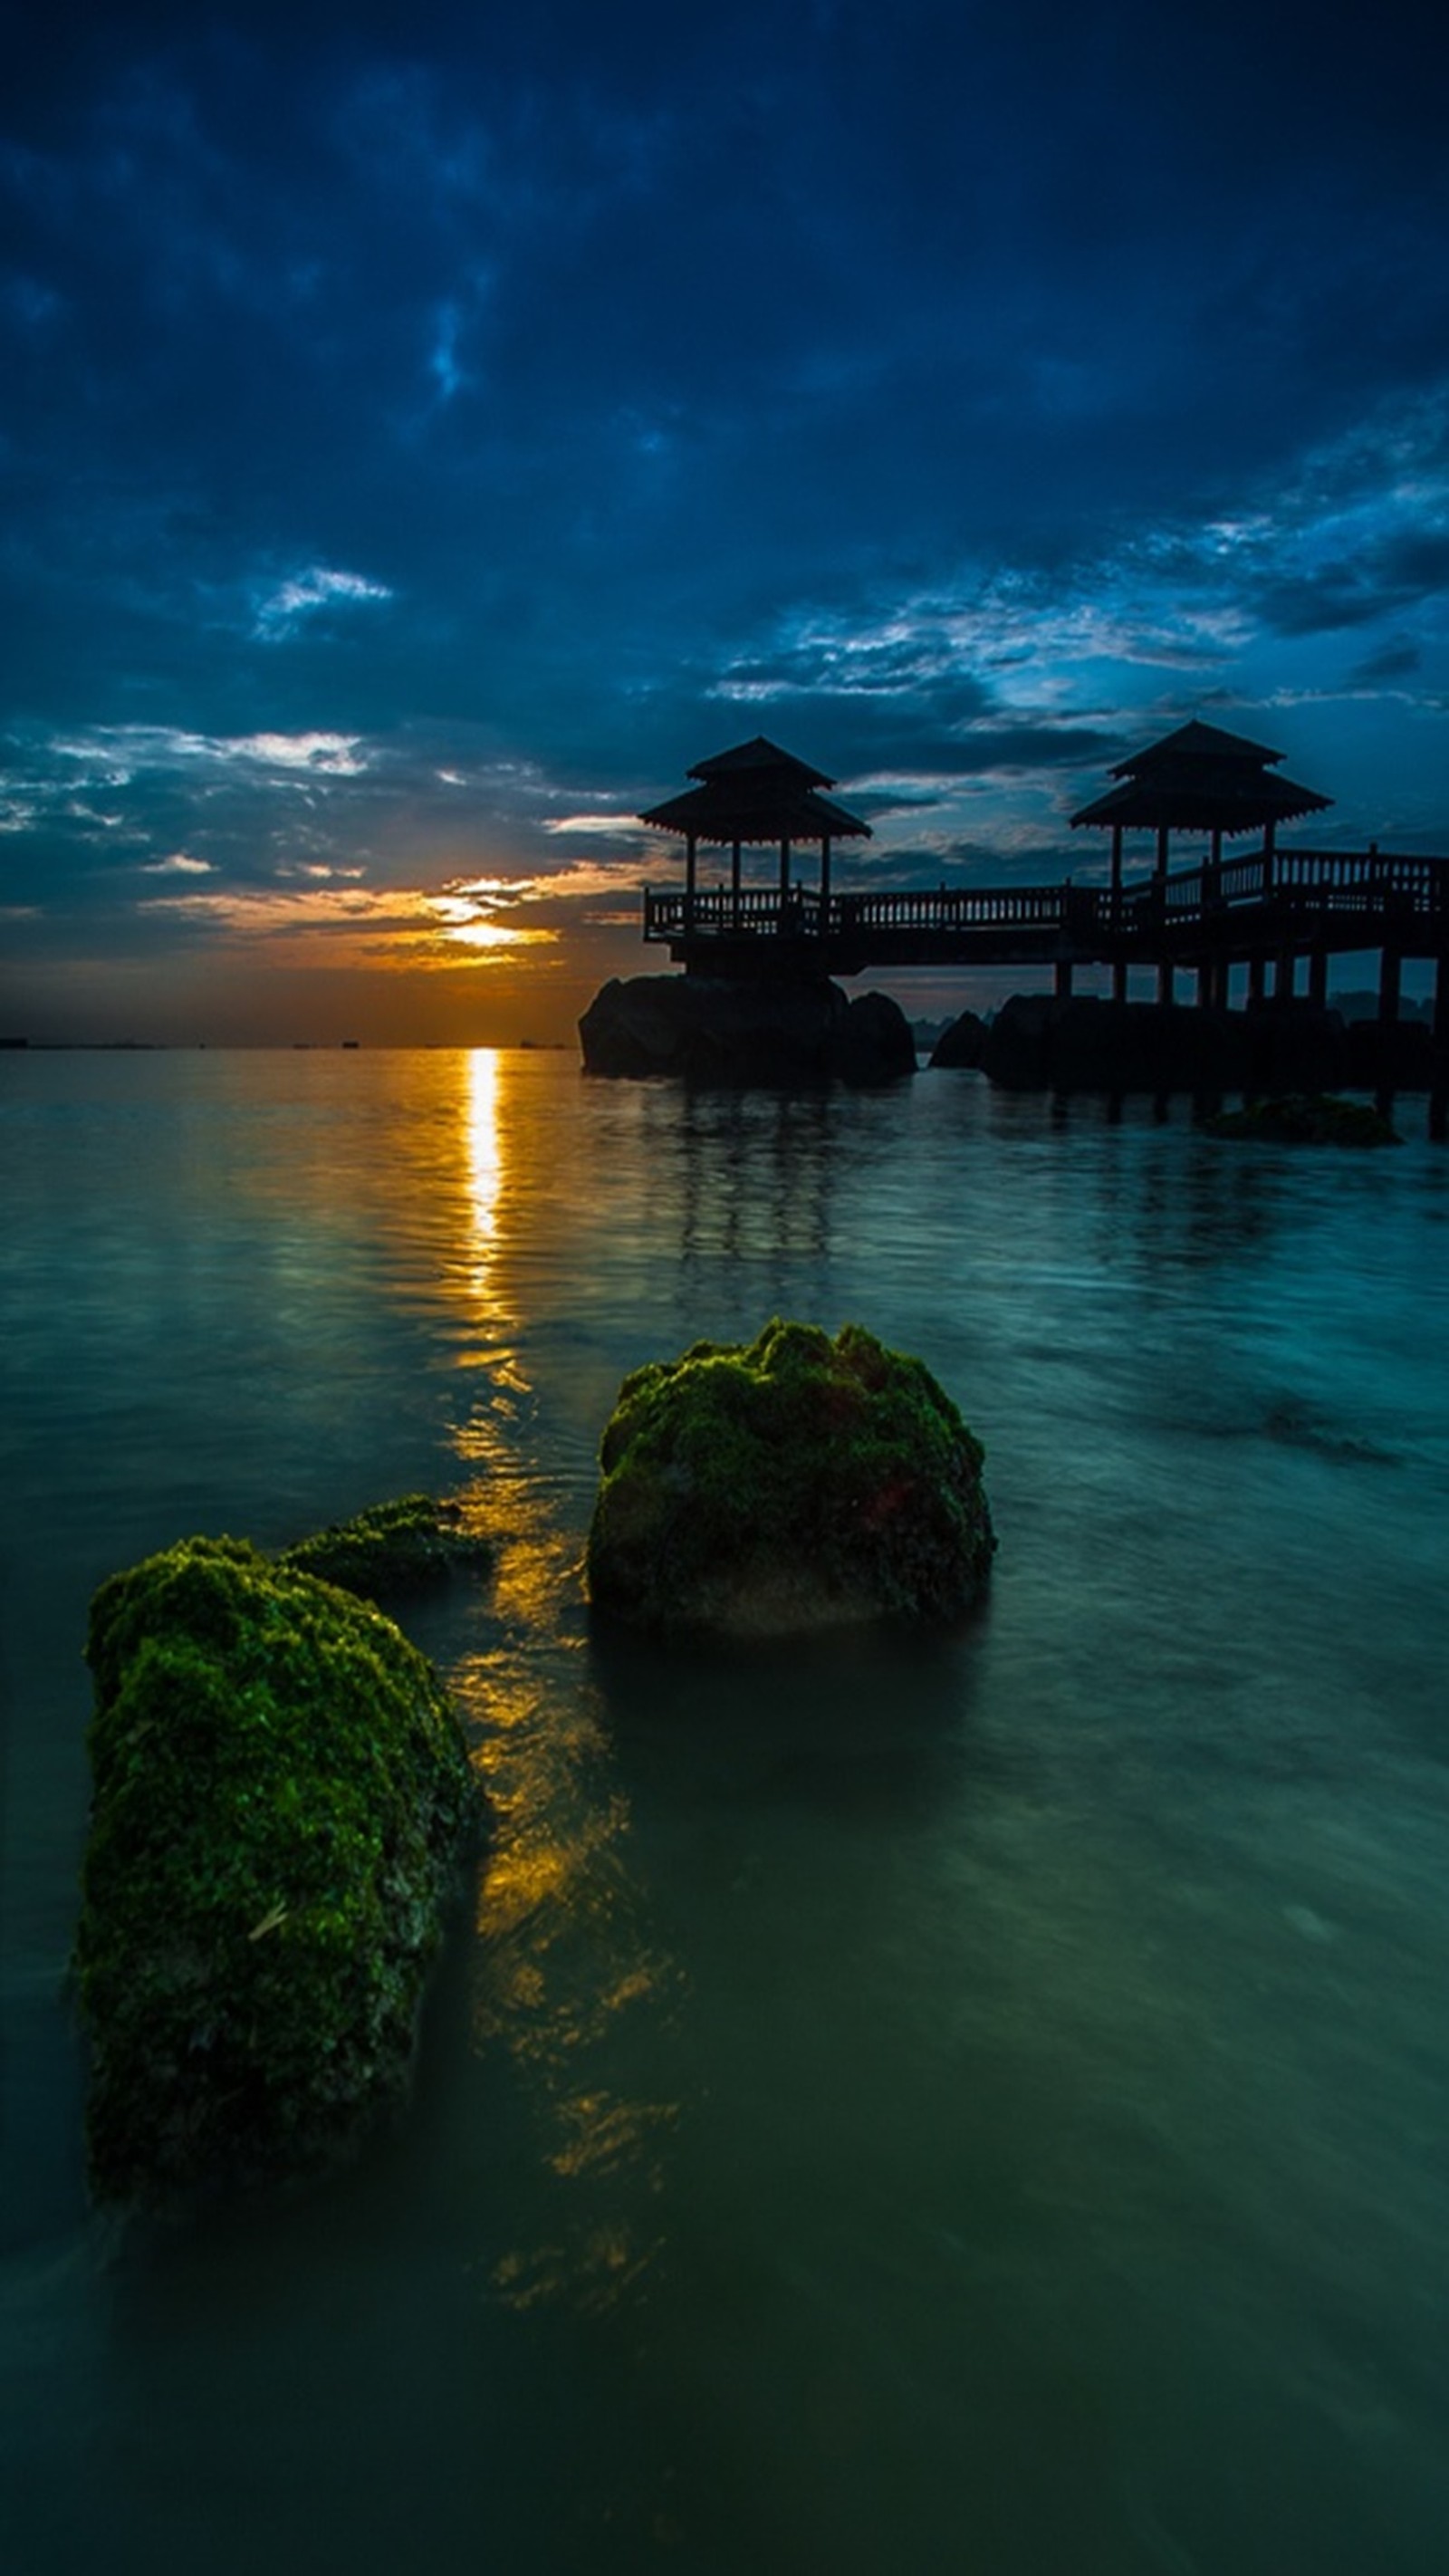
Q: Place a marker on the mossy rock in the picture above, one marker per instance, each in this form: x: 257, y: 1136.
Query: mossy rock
x: 392, y: 1549
x: 793, y: 1483
x: 1306, y: 1118
x: 280, y: 1794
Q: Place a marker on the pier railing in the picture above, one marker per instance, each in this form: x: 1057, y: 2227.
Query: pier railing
x: 1366, y: 889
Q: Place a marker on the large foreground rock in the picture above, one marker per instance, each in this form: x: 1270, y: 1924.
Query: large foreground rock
x: 280, y: 1792
x: 792, y: 1483
x: 769, y: 1031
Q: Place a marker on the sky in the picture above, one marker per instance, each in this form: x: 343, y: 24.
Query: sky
x: 425, y: 433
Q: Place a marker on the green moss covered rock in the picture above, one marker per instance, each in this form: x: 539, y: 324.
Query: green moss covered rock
x: 792, y: 1483
x: 392, y: 1549
x: 1306, y: 1118
x: 280, y: 1792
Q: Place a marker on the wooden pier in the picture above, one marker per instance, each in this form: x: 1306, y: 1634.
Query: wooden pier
x: 1275, y: 915
x: 1263, y: 913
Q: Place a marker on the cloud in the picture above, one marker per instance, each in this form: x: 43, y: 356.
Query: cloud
x: 115, y: 754
x: 283, y: 610
x: 1394, y: 662
x: 177, y: 865
x: 597, y: 826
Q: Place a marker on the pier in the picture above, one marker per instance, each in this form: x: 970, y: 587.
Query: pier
x: 1262, y: 913
x: 1273, y: 916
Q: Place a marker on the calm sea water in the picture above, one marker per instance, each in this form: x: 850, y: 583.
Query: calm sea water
x: 977, y: 2104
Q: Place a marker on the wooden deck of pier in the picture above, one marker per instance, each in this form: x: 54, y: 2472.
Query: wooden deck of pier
x: 1263, y: 912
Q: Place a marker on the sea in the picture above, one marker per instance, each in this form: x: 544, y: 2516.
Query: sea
x: 973, y: 2103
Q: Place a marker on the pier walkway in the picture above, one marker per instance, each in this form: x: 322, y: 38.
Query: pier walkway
x: 1263, y: 912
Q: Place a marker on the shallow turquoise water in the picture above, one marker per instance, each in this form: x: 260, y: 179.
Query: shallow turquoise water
x: 963, y: 2104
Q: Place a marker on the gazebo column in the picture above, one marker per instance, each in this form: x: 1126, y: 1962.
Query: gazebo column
x: 824, y: 876
x: 1116, y: 869
x: 1318, y: 978
x: 784, y: 870
x: 1257, y: 978
x: 1119, y: 979
x: 735, y: 882
x: 1162, y: 849
x: 689, y: 880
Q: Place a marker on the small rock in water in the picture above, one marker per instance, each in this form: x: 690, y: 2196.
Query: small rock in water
x: 794, y: 1483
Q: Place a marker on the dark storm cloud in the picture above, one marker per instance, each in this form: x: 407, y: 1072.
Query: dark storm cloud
x: 546, y: 397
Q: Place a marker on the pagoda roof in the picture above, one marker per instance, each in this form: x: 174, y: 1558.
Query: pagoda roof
x: 759, y: 754
x: 1201, y: 779
x: 1196, y: 741
x: 756, y: 792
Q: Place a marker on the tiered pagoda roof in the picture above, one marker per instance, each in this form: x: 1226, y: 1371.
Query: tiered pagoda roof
x: 1201, y: 779
x: 756, y: 792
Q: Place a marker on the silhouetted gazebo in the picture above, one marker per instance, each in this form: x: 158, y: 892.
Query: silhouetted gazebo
x: 1198, y: 779
x: 756, y: 793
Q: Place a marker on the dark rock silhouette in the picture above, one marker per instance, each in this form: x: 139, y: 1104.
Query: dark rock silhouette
x: 960, y: 1045
x: 1039, y: 1043
x: 774, y: 1030
x: 1305, y: 1118
x: 1400, y: 1057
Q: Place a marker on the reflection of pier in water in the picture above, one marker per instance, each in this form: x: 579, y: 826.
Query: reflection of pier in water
x: 755, y: 1175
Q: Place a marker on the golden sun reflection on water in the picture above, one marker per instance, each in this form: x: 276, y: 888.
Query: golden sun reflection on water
x: 569, y: 1980
x: 484, y: 1148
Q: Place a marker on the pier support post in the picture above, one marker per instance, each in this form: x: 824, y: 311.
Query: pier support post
x: 1257, y: 978
x: 1390, y: 976
x: 1284, y: 974
x: 1318, y: 978
x: 1119, y: 979
x: 1064, y: 979
x: 1164, y: 979
x: 1439, y: 1079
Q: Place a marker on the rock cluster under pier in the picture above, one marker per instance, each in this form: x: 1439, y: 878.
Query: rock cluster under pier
x: 770, y: 1030
x: 1038, y: 1042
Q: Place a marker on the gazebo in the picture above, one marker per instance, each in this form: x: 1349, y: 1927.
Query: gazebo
x: 756, y: 793
x: 1198, y: 779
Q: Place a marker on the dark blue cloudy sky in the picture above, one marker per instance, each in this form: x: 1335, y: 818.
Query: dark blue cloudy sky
x: 424, y: 433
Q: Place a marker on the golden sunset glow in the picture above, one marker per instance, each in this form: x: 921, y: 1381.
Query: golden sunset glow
x: 341, y: 924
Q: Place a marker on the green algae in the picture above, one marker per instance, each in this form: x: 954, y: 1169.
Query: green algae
x: 1306, y: 1118
x: 392, y: 1549
x: 787, y: 1483
x: 280, y: 1793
